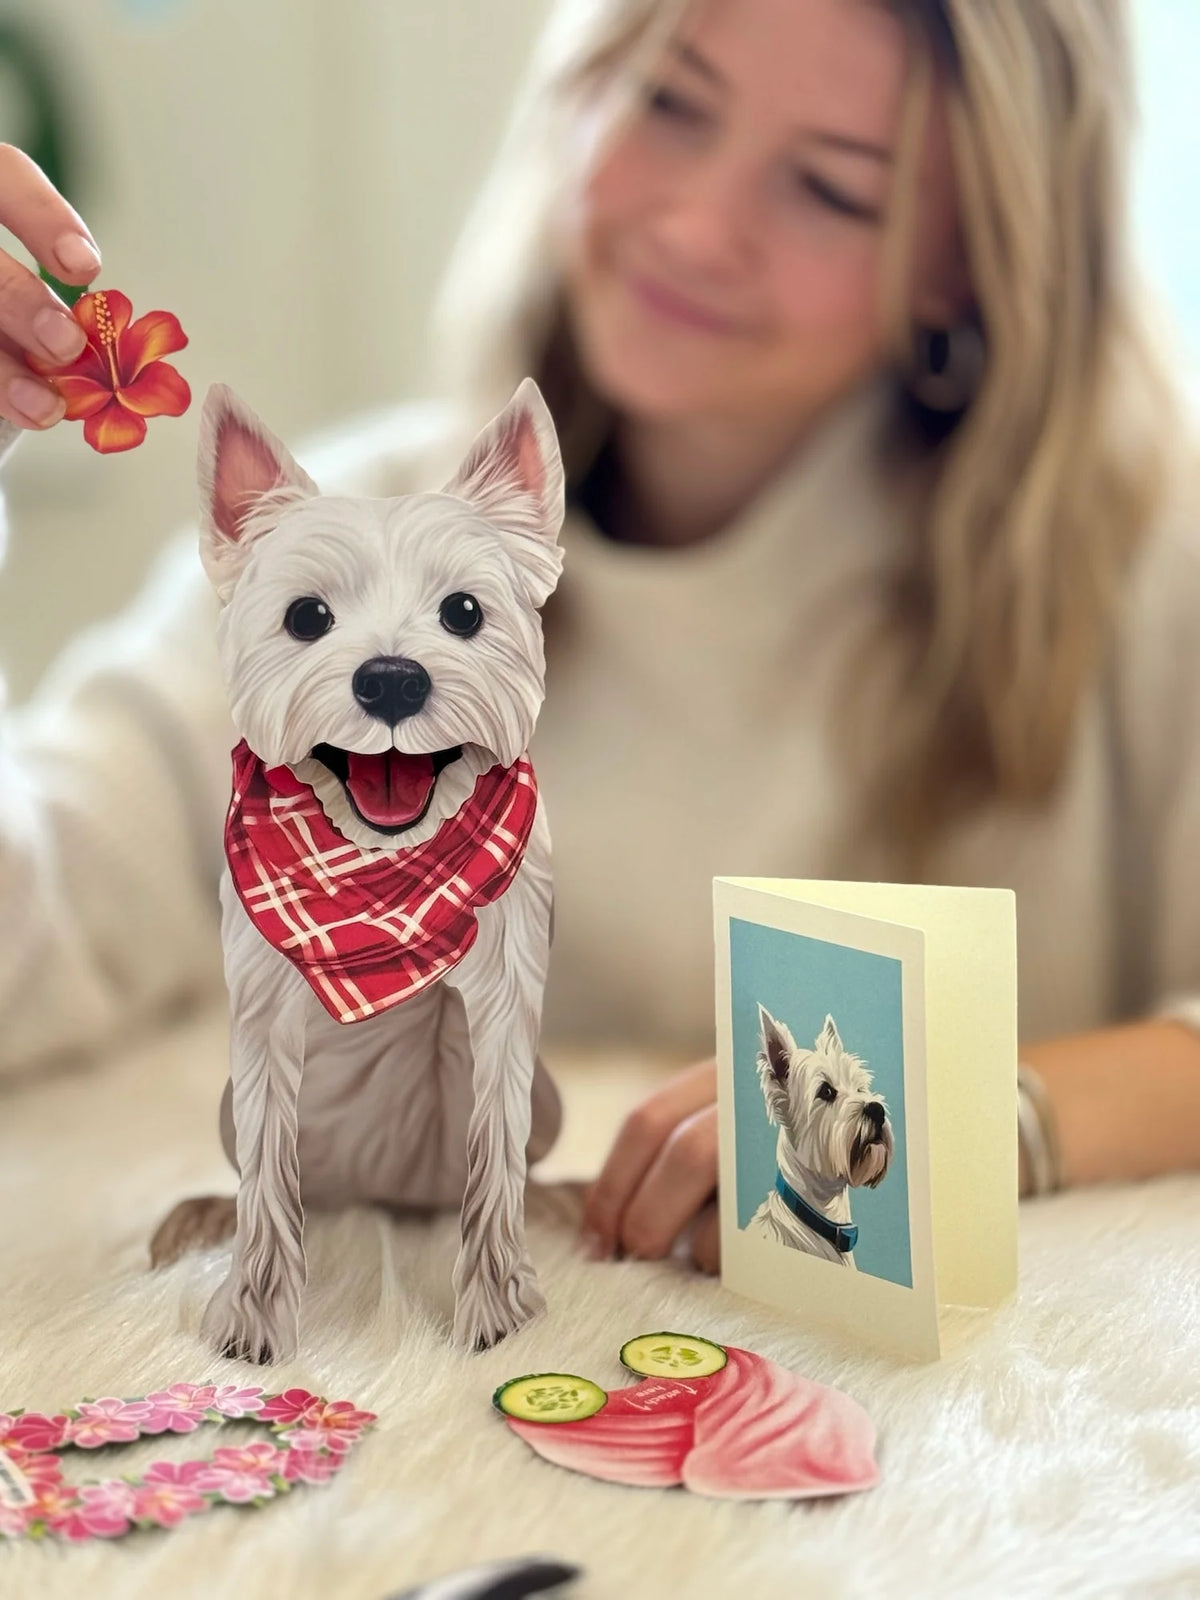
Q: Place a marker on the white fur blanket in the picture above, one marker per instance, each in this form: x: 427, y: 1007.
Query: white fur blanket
x: 1056, y: 1454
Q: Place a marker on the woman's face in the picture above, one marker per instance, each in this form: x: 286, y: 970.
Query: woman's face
x: 728, y: 258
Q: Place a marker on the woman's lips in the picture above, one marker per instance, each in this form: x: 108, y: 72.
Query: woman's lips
x: 670, y: 306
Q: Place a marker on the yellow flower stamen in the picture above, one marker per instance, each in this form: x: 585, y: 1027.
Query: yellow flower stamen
x: 108, y: 334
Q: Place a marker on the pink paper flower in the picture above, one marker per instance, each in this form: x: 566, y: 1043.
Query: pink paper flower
x: 15, y: 1519
x: 54, y: 1501
x: 335, y: 1425
x: 234, y: 1402
x: 103, y: 1511
x: 174, y: 1473
x: 289, y: 1406
x: 310, y: 1466
x: 43, y: 1472
x: 241, y: 1474
x: 32, y: 1431
x: 166, y: 1496
x: 108, y: 1421
x: 179, y: 1409
x: 257, y: 1457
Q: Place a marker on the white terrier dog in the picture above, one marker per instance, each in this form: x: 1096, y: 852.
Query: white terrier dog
x: 834, y: 1135
x: 385, y: 669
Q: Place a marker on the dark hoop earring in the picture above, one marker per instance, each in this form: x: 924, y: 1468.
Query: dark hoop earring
x: 947, y: 366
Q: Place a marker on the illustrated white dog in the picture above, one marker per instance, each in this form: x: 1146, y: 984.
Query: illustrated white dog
x: 834, y: 1135
x: 388, y: 653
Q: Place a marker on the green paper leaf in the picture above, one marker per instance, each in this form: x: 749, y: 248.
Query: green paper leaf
x: 66, y: 292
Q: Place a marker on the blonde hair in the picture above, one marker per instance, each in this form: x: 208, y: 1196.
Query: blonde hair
x: 1028, y: 509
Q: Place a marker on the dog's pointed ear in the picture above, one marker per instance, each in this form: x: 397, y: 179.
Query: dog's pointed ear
x: 240, y: 461
x: 778, y: 1045
x: 828, y: 1040
x: 513, y: 475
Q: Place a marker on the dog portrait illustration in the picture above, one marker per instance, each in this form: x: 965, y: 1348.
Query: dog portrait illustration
x: 835, y: 1135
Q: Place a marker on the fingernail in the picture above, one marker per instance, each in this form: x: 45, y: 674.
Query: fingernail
x: 78, y: 255
x: 33, y: 400
x: 594, y: 1246
x: 60, y: 334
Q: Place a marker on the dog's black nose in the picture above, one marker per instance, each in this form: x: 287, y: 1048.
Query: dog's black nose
x: 391, y: 688
x: 875, y: 1114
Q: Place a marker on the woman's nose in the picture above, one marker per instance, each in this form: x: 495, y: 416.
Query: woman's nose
x: 705, y: 220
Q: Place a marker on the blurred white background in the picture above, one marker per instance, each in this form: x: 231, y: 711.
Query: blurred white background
x: 288, y: 176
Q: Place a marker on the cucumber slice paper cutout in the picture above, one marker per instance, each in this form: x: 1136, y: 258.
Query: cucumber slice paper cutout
x: 553, y: 1397
x: 748, y: 1430
x: 672, y: 1355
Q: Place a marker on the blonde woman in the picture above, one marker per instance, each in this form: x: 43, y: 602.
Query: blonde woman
x: 881, y: 561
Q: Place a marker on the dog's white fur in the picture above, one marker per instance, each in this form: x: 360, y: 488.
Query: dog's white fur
x: 439, y: 1100
x: 826, y: 1145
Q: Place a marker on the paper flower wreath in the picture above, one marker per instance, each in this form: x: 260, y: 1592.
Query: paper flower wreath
x: 309, y: 1443
x: 119, y: 379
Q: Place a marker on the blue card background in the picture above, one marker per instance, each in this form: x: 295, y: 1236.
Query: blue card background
x: 800, y: 980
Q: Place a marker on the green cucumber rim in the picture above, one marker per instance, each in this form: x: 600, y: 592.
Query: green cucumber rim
x: 526, y: 1376
x: 666, y: 1333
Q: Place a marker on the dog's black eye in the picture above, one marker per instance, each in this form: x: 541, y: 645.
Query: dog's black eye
x: 461, y: 614
x: 827, y: 1093
x: 308, y: 619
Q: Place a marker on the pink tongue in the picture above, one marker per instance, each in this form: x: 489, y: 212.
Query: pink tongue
x: 391, y: 789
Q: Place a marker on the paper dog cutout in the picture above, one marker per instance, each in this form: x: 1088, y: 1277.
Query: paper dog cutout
x: 386, y: 908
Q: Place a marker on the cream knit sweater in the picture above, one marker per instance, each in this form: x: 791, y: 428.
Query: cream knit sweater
x: 683, y: 735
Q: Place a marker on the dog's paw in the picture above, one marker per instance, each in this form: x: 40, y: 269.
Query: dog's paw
x: 239, y: 1329
x: 483, y: 1316
x: 193, y: 1225
x: 239, y: 1350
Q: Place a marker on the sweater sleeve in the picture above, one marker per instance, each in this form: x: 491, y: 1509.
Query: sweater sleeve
x: 111, y: 795
x: 1157, y: 738
x: 114, y: 781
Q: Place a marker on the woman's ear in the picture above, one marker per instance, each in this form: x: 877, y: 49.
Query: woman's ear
x: 943, y: 295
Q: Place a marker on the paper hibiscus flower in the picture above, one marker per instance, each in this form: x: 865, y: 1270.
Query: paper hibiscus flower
x: 120, y: 379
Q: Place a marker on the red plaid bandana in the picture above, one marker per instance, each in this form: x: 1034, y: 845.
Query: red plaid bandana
x: 369, y: 929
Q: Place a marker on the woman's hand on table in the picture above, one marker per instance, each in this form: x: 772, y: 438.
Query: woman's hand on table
x: 32, y: 317
x: 660, y: 1178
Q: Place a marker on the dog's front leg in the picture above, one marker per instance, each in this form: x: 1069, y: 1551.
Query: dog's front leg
x: 501, y: 981
x: 254, y: 1314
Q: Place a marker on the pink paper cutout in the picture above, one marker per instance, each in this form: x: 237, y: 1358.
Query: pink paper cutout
x: 310, y: 1441
x: 752, y: 1431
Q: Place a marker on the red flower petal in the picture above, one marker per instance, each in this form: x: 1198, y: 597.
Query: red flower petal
x: 154, y: 335
x: 87, y: 365
x: 119, y: 309
x: 158, y: 391
x: 84, y: 396
x: 114, y: 429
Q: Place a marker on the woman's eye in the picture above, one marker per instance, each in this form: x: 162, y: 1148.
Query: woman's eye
x: 827, y: 1093
x: 461, y: 614
x: 814, y: 187
x: 308, y: 618
x: 668, y: 103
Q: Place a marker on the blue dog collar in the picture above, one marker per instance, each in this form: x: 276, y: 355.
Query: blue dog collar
x: 843, y: 1238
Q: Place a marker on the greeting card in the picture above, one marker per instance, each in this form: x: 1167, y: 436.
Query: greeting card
x: 867, y: 1056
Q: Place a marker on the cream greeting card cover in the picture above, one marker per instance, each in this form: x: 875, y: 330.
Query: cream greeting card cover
x: 867, y: 1052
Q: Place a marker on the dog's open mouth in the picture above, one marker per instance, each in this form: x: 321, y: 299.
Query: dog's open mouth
x: 390, y: 791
